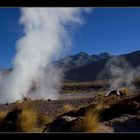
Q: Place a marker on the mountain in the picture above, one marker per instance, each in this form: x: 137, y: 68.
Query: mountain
x: 80, y: 59
x: 90, y: 71
x: 133, y: 58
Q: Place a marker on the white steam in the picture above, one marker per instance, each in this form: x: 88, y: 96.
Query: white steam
x: 45, y: 37
x: 120, y: 73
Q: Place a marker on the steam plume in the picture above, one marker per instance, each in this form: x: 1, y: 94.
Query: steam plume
x: 45, y: 38
x: 120, y: 73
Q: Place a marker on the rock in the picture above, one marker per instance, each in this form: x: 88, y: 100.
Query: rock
x: 131, y: 125
x: 9, y: 122
x: 69, y: 126
x: 105, y: 129
x: 124, y: 123
x: 13, y: 115
x: 113, y: 92
x: 57, y: 124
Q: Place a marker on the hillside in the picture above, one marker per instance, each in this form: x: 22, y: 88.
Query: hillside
x: 90, y: 71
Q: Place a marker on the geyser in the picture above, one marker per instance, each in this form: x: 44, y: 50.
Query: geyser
x: 45, y: 36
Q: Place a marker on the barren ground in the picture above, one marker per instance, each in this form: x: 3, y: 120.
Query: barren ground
x: 124, y: 122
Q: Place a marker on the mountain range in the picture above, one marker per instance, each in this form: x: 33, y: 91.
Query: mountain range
x: 84, y: 67
x: 80, y: 59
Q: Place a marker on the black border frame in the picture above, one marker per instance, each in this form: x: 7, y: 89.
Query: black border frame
x: 71, y: 136
x: 69, y: 3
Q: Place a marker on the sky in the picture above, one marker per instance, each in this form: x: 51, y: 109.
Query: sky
x: 112, y: 30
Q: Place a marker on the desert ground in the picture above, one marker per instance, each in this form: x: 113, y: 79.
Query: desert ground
x: 81, y: 107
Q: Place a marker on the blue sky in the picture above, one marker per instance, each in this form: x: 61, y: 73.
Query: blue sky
x: 113, y: 30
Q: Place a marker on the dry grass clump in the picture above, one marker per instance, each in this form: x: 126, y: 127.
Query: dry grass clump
x: 2, y: 116
x: 67, y: 108
x: 30, y: 120
x: 44, y: 119
x: 125, y: 91
x: 27, y: 121
x: 23, y: 118
x: 90, y: 123
x: 99, y: 107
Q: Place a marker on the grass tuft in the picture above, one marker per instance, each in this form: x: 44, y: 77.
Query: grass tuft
x: 68, y: 107
x: 125, y: 91
x: 90, y: 123
x: 44, y: 119
x: 2, y: 116
x: 27, y: 121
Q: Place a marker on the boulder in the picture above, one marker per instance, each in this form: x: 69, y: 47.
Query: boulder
x: 56, y: 125
x: 13, y: 115
x: 113, y: 92
x: 9, y: 122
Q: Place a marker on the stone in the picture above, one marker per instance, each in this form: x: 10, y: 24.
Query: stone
x: 55, y: 126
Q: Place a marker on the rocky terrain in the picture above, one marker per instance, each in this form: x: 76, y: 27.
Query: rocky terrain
x: 89, y: 111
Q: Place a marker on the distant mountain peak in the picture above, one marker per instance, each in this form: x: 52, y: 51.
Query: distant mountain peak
x: 83, y: 53
x: 80, y: 59
x: 105, y: 54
